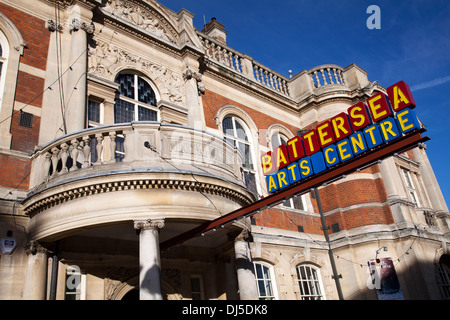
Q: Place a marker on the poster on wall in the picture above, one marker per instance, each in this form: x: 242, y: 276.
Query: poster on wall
x: 384, y: 279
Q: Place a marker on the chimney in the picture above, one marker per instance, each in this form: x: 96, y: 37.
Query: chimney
x: 216, y: 30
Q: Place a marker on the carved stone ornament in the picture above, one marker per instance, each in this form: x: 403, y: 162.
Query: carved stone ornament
x: 189, y: 74
x: 143, y: 17
x: 149, y: 224
x: 34, y: 247
x: 77, y: 24
x: 105, y: 59
x: 52, y: 26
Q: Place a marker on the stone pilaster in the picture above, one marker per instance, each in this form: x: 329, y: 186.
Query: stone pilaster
x: 75, y: 110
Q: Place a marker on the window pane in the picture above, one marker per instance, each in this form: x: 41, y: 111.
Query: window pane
x: 240, y: 132
x: 298, y: 203
x: 275, y: 141
x: 309, y: 282
x: 266, y: 272
x: 145, y: 93
x: 126, y: 85
x: 268, y: 288
x: 227, y: 126
x: 407, y: 179
x: 313, y: 274
x: 145, y: 114
x: 264, y: 281
x: 123, y: 111
x: 258, y: 271
x: 262, y: 292
x: 93, y: 111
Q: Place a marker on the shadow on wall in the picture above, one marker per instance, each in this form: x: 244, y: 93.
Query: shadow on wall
x: 411, y: 281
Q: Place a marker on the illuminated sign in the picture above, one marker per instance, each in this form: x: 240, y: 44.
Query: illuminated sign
x: 365, y: 126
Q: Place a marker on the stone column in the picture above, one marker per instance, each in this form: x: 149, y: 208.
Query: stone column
x: 244, y: 268
x: 36, y: 274
x: 149, y: 258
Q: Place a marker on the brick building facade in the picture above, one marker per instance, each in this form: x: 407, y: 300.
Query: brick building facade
x: 122, y: 126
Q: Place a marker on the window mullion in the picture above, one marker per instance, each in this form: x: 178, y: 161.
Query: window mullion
x: 136, y: 106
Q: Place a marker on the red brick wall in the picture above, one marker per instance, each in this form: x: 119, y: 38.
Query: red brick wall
x: 23, y: 138
x: 34, y: 34
x: 212, y: 102
x: 288, y: 220
x: 15, y: 172
x: 29, y: 89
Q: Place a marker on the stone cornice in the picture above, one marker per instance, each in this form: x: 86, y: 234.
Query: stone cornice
x: 222, y: 74
x: 32, y: 207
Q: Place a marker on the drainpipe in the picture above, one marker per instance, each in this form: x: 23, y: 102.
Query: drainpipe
x: 54, y: 275
x: 335, y: 276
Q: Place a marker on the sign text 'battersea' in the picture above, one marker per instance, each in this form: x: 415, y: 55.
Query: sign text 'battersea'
x: 380, y: 120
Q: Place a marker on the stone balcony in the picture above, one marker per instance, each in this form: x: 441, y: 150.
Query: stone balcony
x: 149, y: 162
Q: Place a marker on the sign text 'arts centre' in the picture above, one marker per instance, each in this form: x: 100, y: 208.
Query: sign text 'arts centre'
x: 382, y: 119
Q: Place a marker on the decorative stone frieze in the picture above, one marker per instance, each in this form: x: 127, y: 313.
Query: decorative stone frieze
x: 106, y: 59
x: 142, y: 17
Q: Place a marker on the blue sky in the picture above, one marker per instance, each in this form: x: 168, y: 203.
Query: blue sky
x: 412, y: 45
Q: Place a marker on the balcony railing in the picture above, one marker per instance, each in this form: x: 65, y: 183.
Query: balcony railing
x: 325, y: 75
x: 244, y: 65
x: 317, y: 81
x: 152, y: 146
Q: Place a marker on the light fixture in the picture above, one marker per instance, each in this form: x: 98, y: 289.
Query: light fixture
x: 384, y: 248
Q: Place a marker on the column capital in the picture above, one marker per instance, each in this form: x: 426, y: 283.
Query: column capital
x: 76, y: 24
x: 34, y: 247
x: 147, y: 224
x: 244, y: 235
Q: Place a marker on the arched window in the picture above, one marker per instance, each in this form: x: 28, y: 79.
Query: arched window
x: 276, y: 140
x: 237, y: 133
x: 310, y: 282
x: 265, y: 281
x: 4, y: 52
x: 136, y: 100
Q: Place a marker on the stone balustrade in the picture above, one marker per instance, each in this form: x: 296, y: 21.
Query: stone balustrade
x: 149, y: 146
x: 317, y: 81
x: 327, y: 75
x: 244, y: 65
x: 270, y: 78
